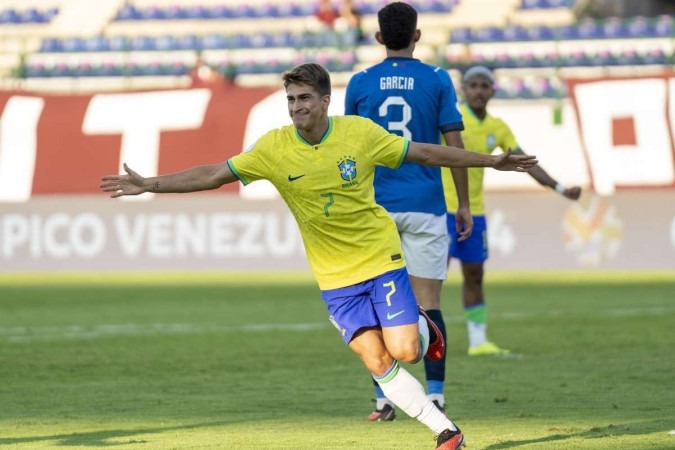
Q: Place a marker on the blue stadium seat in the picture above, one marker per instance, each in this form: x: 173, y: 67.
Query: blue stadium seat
x: 51, y: 46
x: 128, y: 12
x: 30, y: 15
x: 36, y: 71
x: 525, y: 60
x: 588, y: 29
x: 197, y: 12
x: 61, y: 70
x: 175, y: 12
x: 73, y: 44
x: 640, y: 26
x: 240, y: 41
x: 628, y: 57
x: 188, y: 42
x: 9, y: 16
x: 663, y: 26
x: 109, y: 69
x: 655, y: 56
x: 242, y: 11
x: 515, y: 33
x: 152, y: 13
x: 176, y: 69
x: 142, y: 43
x: 51, y: 13
x: 577, y: 59
x: 614, y: 28
x: 118, y: 43
x: 166, y: 43
x: 96, y: 44
x: 270, y: 10
x: 220, y: 12
x: 214, y: 41
x: 530, y: 4
x: 489, y: 34
x: 461, y: 35
x: 540, y: 33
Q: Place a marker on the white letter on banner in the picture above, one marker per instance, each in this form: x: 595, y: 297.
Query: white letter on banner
x: 190, y: 238
x: 160, y: 235
x: 18, y: 146
x: 14, y: 233
x: 131, y: 233
x: 650, y: 160
x: 51, y: 227
x: 140, y: 117
x: 87, y: 235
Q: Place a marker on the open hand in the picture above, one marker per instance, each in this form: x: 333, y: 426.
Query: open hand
x: 119, y: 185
x: 507, y: 161
x: 572, y: 193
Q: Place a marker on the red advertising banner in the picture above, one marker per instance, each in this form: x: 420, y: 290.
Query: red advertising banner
x: 615, y: 133
x: 63, y: 143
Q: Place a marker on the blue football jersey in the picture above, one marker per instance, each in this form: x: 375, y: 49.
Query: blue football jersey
x: 414, y: 100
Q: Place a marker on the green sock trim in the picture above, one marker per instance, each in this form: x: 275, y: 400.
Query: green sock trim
x: 389, y: 375
x: 476, y: 314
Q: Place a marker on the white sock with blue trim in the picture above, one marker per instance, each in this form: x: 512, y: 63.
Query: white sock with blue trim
x: 408, y: 394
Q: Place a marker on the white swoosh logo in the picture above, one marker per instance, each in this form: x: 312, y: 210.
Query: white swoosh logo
x: 391, y: 316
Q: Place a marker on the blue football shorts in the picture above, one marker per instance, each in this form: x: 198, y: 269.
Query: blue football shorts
x: 475, y: 248
x: 384, y: 301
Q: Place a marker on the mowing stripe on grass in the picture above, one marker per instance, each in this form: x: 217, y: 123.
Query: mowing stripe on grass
x: 29, y: 334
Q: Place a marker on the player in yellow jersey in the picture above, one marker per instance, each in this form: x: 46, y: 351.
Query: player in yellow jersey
x: 323, y: 168
x: 482, y: 133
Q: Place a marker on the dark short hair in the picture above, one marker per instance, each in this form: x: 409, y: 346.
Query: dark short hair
x: 398, y: 22
x: 311, y: 74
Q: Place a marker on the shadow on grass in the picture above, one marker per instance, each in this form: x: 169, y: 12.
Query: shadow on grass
x: 632, y: 429
x: 102, y: 438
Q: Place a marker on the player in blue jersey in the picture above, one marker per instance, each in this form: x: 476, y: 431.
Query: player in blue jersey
x: 417, y: 101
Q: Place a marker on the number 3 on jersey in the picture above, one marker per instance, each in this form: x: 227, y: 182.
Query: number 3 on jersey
x: 406, y: 115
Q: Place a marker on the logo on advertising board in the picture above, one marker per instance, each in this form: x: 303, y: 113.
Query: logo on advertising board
x: 594, y: 231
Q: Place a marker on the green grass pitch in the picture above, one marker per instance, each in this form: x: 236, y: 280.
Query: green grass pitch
x: 213, y: 361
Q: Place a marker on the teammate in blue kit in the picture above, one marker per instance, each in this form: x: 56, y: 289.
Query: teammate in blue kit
x: 417, y: 101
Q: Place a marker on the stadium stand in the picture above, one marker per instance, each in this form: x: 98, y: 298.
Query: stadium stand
x: 532, y: 45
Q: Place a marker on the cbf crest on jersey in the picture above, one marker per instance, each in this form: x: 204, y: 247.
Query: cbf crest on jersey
x: 347, y: 166
x: 491, y: 140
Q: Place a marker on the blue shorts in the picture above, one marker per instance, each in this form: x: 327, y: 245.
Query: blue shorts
x: 384, y: 301
x: 472, y: 250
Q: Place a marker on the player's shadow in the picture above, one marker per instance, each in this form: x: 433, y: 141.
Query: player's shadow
x: 591, y: 433
x: 105, y: 438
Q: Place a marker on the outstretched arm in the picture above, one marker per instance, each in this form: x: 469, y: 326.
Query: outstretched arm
x: 198, y: 178
x: 442, y: 156
x: 460, y: 178
x: 543, y: 178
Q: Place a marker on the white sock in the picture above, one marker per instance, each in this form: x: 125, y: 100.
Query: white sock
x: 477, y: 333
x: 408, y: 394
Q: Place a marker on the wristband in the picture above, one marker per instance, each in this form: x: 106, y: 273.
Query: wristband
x: 559, y: 188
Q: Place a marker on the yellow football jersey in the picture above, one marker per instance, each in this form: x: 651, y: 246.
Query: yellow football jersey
x: 481, y: 136
x: 329, y: 189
